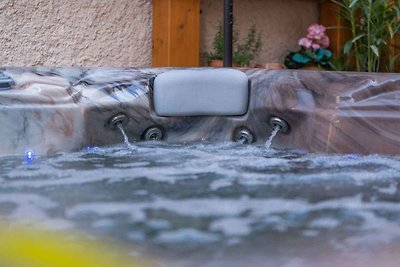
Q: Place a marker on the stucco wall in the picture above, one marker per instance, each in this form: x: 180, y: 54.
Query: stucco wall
x: 75, y: 32
x: 118, y: 32
x: 282, y: 23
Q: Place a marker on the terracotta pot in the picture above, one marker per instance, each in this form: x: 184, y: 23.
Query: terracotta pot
x: 312, y: 67
x: 220, y: 64
x: 270, y: 66
x: 216, y: 63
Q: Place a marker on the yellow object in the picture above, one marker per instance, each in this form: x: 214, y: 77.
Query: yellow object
x: 22, y: 247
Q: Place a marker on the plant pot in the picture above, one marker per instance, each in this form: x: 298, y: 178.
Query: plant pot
x: 220, y: 64
x: 312, y: 67
x: 269, y: 66
x: 216, y: 63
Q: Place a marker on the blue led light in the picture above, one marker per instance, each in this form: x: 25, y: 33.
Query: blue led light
x: 29, y: 156
x: 91, y: 149
x: 353, y: 156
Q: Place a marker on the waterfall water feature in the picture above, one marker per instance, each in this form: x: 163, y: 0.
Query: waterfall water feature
x: 273, y: 134
x: 126, y: 139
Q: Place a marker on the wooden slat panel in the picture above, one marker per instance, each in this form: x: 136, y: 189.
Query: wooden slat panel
x: 185, y: 33
x: 160, y: 45
x: 393, y: 51
x: 176, y: 33
x: 329, y: 17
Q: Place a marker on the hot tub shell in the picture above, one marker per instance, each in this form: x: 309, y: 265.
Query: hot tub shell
x: 51, y: 110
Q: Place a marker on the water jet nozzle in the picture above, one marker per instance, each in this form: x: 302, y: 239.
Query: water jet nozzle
x: 244, y: 136
x: 153, y: 134
x: 119, y: 118
x: 283, y: 126
x: 6, y: 82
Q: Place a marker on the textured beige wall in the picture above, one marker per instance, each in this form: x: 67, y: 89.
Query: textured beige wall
x: 282, y: 23
x: 118, y: 32
x: 75, y: 32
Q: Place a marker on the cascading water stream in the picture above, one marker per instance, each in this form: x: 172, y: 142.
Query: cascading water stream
x: 242, y: 141
x: 274, y: 133
x: 126, y: 139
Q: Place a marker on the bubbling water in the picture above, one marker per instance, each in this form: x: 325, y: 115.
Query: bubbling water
x: 225, y: 202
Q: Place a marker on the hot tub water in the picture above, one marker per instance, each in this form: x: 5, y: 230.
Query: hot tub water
x: 214, y: 204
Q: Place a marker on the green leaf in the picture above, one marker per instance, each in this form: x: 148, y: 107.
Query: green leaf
x: 309, y: 53
x: 290, y: 63
x: 299, y: 58
x: 357, y: 37
x: 375, y: 50
x: 319, y: 54
x: 390, y: 29
x: 391, y: 63
x: 397, y: 9
x: 328, y: 54
x: 339, y: 3
x: 347, y: 47
x: 353, y: 3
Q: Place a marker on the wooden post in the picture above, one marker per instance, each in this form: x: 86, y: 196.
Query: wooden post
x: 176, y: 33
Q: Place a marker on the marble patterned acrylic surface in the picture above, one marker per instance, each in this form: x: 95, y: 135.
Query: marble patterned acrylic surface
x: 51, y: 110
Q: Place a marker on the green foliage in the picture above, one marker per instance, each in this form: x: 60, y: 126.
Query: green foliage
x: 243, y: 53
x: 320, y: 57
x: 246, y: 52
x: 218, y: 46
x: 373, y: 25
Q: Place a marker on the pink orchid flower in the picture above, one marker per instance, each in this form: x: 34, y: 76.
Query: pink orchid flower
x: 305, y: 42
x: 316, y: 32
x: 316, y: 38
x: 324, y: 42
x: 316, y: 46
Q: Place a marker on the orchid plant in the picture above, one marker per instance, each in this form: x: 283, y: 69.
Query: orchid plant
x: 313, y: 50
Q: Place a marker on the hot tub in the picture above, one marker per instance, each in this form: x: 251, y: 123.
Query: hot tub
x: 52, y: 110
x: 183, y: 191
